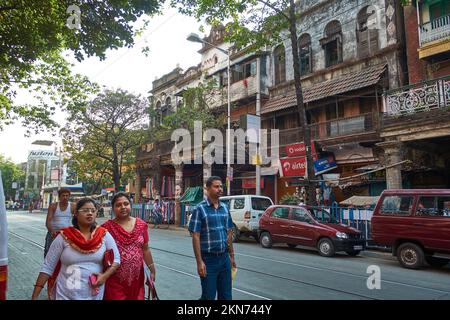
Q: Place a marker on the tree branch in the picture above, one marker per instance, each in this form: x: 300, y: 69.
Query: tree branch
x: 271, y: 6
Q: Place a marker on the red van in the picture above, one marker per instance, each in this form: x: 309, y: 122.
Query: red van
x: 416, y: 224
x: 308, y: 226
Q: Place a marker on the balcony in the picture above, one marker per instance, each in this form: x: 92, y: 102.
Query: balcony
x: 436, y: 29
x: 422, y: 97
x: 363, y: 123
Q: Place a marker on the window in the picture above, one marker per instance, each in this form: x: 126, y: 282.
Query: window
x: 300, y: 215
x: 323, y: 216
x: 397, y: 205
x: 279, y: 56
x: 439, y: 9
x: 434, y: 206
x: 282, y: 213
x: 243, y: 71
x: 366, y: 32
x: 239, y: 203
x: 304, y: 47
x: 260, y: 204
x: 332, y: 43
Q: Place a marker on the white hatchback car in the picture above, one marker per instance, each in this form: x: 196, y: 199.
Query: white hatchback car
x: 246, y: 210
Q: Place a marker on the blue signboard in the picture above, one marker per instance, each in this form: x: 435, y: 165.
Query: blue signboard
x: 324, y: 165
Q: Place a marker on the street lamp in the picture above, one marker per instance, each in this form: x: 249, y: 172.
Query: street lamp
x: 193, y: 37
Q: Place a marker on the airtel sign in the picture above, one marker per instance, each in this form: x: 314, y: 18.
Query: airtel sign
x: 293, y: 167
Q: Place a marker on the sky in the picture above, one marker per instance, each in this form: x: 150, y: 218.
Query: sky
x: 125, y: 68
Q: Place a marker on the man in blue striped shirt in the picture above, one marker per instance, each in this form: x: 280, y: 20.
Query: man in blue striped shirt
x: 211, y: 228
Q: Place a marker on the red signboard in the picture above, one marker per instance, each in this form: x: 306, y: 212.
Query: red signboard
x: 299, y: 149
x: 250, y: 183
x: 293, y: 167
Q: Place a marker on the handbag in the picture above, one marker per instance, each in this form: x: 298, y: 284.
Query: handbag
x: 152, y: 295
x: 108, y: 259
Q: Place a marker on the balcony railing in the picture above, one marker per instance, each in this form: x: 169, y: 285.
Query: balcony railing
x: 425, y: 96
x: 435, y: 30
x: 344, y: 126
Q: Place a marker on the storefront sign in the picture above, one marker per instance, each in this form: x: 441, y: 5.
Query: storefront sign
x: 324, y: 165
x: 293, y: 167
x: 41, y: 154
x: 299, y: 149
x: 250, y: 183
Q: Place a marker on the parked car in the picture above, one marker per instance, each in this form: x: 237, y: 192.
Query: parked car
x: 416, y: 224
x: 308, y: 226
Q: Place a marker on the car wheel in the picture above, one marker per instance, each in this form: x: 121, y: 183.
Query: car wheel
x: 410, y: 255
x: 326, y: 247
x: 436, y: 262
x: 290, y: 245
x: 236, y: 233
x: 353, y: 253
x: 266, y: 240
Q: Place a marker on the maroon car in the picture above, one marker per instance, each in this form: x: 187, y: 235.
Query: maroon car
x: 416, y: 224
x: 308, y: 226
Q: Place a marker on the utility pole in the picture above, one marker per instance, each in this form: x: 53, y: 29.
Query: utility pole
x: 60, y: 168
x: 258, y: 113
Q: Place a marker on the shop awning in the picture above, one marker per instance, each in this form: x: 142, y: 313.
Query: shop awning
x: 349, y: 82
x: 360, y: 201
x: 192, y: 195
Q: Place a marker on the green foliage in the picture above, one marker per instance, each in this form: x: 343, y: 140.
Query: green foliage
x: 11, y: 172
x: 101, y: 140
x: 33, y: 33
x: 290, y: 199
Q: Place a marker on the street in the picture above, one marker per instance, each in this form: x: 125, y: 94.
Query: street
x: 263, y: 274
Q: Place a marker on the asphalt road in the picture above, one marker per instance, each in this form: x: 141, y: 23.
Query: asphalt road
x: 263, y: 274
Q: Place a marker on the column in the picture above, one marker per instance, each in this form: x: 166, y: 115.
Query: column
x: 178, y: 192
x: 393, y: 151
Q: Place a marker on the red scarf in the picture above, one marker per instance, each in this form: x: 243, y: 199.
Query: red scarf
x: 76, y: 240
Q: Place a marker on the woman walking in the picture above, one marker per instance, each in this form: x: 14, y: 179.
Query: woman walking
x: 75, y: 258
x: 131, y: 236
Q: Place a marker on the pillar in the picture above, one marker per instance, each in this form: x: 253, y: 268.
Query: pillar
x: 178, y: 192
x: 393, y: 151
x: 207, y: 172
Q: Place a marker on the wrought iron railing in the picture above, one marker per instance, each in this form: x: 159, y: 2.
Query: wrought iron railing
x: 425, y: 96
x: 435, y: 30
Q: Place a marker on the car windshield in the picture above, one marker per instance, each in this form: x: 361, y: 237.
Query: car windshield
x: 323, y: 216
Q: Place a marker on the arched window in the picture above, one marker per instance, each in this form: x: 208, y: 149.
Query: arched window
x: 367, y: 32
x: 305, y: 54
x: 279, y: 56
x: 332, y: 43
x: 158, y: 117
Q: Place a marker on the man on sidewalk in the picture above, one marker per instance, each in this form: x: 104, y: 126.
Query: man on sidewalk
x: 211, y: 228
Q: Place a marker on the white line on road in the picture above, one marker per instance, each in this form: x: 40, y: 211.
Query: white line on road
x: 196, y: 277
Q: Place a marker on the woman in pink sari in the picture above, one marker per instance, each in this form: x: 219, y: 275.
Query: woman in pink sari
x: 131, y: 236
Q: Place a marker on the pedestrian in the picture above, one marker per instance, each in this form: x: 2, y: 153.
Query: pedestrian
x: 131, y: 236
x: 30, y: 207
x: 59, y: 216
x: 76, y: 256
x: 211, y: 226
x: 157, y: 215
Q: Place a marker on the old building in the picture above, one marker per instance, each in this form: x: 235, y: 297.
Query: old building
x: 350, y: 52
x: 416, y: 125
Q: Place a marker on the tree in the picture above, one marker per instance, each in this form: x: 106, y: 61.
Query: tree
x: 33, y: 33
x: 11, y: 172
x: 102, y: 139
x: 255, y: 24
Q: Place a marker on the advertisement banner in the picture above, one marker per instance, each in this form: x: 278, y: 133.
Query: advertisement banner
x: 299, y: 149
x: 293, y: 167
x: 250, y: 183
x: 324, y: 165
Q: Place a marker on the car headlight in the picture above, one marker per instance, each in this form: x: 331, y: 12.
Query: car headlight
x: 341, y: 235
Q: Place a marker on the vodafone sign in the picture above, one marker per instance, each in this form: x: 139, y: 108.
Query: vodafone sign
x: 299, y: 149
x: 293, y: 167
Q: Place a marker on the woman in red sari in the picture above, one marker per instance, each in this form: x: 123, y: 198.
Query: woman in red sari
x: 131, y: 236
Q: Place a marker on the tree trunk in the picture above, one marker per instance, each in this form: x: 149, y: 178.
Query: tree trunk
x: 301, y: 106
x: 116, y: 171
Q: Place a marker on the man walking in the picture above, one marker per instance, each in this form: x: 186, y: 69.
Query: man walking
x: 211, y: 228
